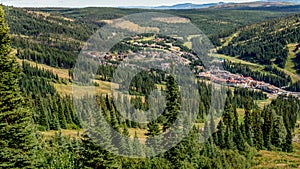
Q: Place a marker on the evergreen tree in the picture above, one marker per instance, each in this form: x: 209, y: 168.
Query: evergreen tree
x: 97, y: 144
x: 279, y: 132
x: 153, y: 129
x: 288, y: 146
x: 221, y: 134
x: 94, y: 156
x: 248, y: 122
x: 137, y: 146
x: 268, y: 127
x: 257, y: 129
x: 173, y: 106
x: 153, y: 134
x: 18, y: 142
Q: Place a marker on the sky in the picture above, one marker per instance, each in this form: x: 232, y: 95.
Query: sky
x: 104, y: 3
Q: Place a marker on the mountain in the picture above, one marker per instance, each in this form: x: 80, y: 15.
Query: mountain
x: 180, y: 6
x: 254, y: 5
x: 273, y: 8
x: 190, y: 6
x: 257, y: 4
x: 288, y: 1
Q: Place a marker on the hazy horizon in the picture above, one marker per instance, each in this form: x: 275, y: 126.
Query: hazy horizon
x: 101, y: 3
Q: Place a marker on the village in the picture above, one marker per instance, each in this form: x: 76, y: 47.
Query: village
x: 213, y: 74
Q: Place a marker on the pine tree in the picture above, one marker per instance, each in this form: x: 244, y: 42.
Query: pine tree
x: 173, y: 106
x: 153, y: 129
x: 44, y: 118
x: 248, y: 122
x: 279, y: 132
x: 97, y: 144
x: 239, y: 140
x: 18, y: 142
x: 92, y: 155
x: 221, y: 134
x: 153, y: 134
x: 268, y: 127
x: 228, y: 138
x: 61, y: 114
x: 138, y: 150
x: 288, y: 146
x: 125, y: 146
x: 257, y: 130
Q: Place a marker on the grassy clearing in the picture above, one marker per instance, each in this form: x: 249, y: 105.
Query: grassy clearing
x: 161, y: 86
x: 80, y: 91
x: 241, y: 114
x: 236, y: 60
x: 262, y: 103
x: 200, y: 125
x: 188, y: 44
x: 128, y: 25
x: 62, y: 73
x: 71, y: 133
x: 227, y: 40
x: 190, y: 37
x: 172, y: 19
x: 290, y: 66
x: 274, y: 159
x: 295, y: 77
x: 140, y: 134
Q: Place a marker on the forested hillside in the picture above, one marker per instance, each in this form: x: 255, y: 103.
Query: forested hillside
x: 37, y: 112
x: 55, y: 36
x: 265, y: 43
x: 48, y: 39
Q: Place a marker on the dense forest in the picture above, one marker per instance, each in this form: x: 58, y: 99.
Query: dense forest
x: 31, y: 106
x: 265, y: 43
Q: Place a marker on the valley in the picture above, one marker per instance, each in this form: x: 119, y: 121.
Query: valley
x: 73, y: 119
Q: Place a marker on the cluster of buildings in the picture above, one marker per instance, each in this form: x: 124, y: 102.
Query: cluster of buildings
x: 224, y: 77
x: 214, y: 74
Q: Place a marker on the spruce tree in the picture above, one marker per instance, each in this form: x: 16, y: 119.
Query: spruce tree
x: 173, y: 106
x: 221, y: 134
x: 97, y: 144
x: 248, y: 122
x: 257, y: 130
x: 18, y: 142
x: 288, y: 146
x: 268, y: 127
x: 279, y: 132
x: 153, y: 133
x: 153, y: 129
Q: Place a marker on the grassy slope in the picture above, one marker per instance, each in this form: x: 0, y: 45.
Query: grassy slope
x: 62, y: 73
x: 290, y: 66
x: 274, y: 159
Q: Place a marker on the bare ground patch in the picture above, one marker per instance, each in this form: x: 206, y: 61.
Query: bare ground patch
x: 128, y: 25
x: 172, y: 19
